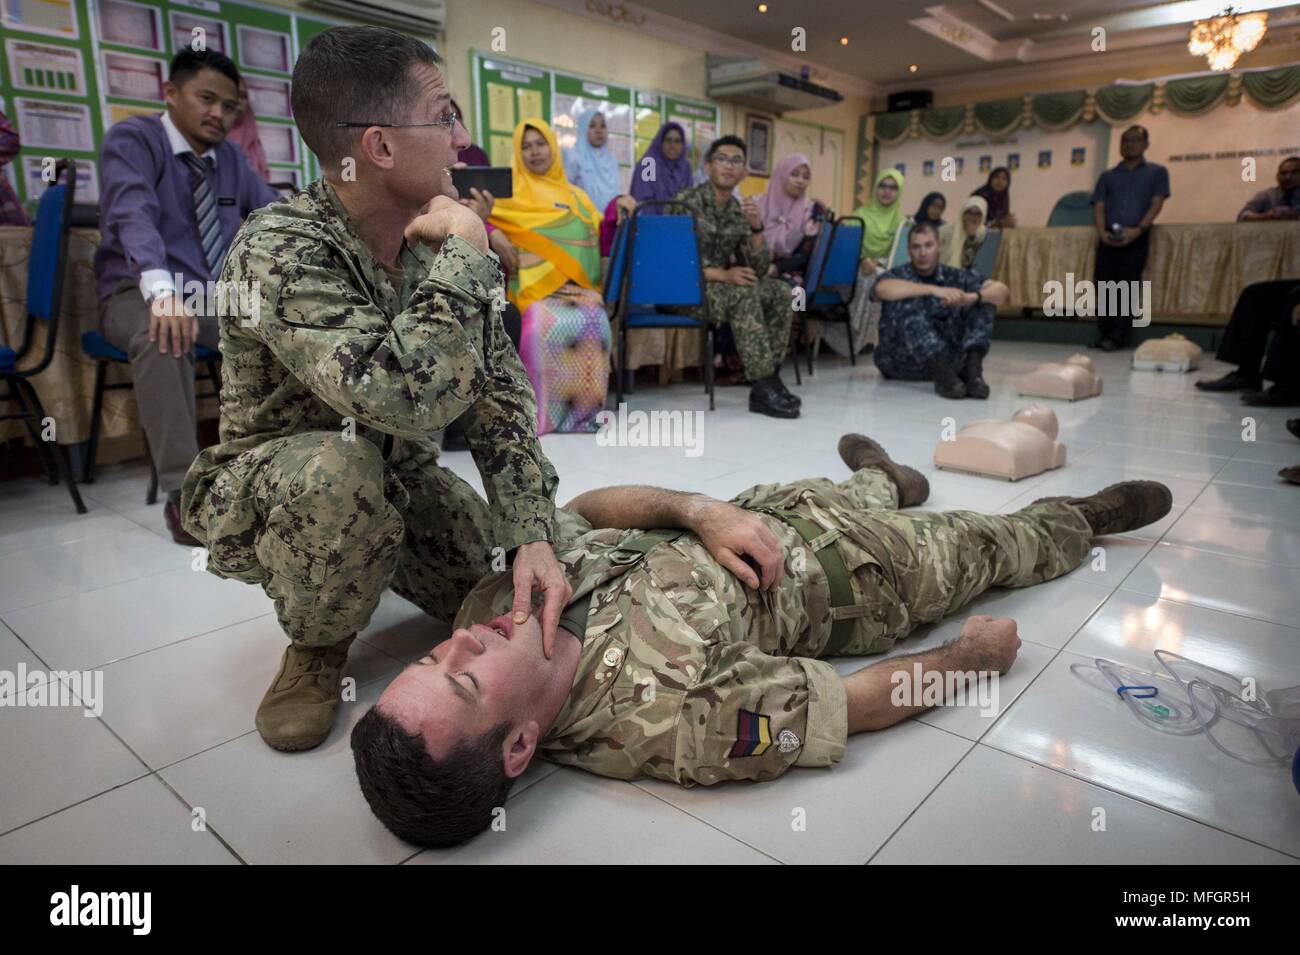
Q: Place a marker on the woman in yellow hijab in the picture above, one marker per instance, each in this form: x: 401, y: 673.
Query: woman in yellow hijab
x: 565, y: 336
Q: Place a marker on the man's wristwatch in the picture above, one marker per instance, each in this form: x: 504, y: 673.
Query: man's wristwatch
x: 979, y: 297
x: 755, y: 231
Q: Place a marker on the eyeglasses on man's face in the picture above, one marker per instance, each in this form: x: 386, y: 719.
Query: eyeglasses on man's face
x: 449, y: 120
x: 729, y: 160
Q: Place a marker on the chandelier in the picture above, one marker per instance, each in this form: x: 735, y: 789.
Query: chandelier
x: 1222, y: 39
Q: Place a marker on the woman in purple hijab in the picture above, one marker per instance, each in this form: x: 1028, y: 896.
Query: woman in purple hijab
x: 663, y: 171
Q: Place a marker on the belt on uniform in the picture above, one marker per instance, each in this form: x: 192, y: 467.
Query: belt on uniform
x: 574, y: 617
x: 837, y: 575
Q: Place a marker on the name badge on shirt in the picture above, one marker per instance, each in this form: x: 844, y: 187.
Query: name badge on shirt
x: 225, y: 200
x: 564, y: 206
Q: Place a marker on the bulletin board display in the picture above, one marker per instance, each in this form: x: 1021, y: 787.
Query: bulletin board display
x: 510, y: 90
x: 70, y: 70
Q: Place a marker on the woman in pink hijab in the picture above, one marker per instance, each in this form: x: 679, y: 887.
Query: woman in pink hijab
x: 790, y: 217
x: 244, y: 135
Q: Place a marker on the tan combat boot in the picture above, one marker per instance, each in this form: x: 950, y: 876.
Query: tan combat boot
x: 1125, y: 506
x: 858, y: 452
x: 298, y: 710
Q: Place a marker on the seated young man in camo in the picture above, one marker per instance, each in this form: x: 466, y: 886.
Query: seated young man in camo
x: 689, y: 651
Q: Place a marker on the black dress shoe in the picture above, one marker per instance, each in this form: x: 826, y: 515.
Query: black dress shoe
x: 172, y: 515
x: 1274, y: 397
x: 764, y: 398
x: 790, y: 397
x: 1232, y: 381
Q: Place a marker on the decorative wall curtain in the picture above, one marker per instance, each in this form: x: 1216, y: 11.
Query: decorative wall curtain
x: 1271, y: 89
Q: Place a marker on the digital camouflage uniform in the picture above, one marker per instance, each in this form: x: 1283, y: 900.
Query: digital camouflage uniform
x: 325, y: 487
x: 760, y: 315
x: 914, y: 331
x: 688, y: 676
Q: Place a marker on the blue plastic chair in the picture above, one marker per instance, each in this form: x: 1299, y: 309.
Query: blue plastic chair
x: 832, y: 268
x: 656, y: 262
x: 898, y: 256
x: 46, y: 267
x: 986, y: 259
x: 1073, y: 208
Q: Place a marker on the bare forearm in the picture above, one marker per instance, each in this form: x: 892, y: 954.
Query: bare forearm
x: 1157, y: 204
x: 876, y: 697
x: 995, y: 292
x: 637, y: 505
x: 891, y: 290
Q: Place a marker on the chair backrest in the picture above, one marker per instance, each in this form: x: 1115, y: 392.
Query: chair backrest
x: 1073, y: 208
x: 663, y: 262
x: 617, y: 263
x: 845, y: 252
x: 817, y: 261
x: 49, y: 255
x: 987, y: 256
x: 899, y: 256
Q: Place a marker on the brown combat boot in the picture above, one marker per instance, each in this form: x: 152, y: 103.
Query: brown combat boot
x: 858, y: 452
x: 298, y: 710
x: 1122, y: 507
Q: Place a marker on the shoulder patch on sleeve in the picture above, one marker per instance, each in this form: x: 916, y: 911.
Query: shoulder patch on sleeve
x: 753, y: 734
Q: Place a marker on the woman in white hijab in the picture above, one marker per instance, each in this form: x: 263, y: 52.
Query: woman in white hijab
x: 960, y: 241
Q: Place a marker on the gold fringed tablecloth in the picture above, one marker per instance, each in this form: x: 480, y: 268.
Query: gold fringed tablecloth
x: 1196, y: 270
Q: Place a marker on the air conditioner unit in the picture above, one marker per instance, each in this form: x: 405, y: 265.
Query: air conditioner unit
x: 761, y: 86
x: 413, y: 16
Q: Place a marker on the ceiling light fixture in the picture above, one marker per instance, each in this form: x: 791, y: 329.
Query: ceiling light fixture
x: 844, y: 41
x: 912, y: 68
x: 1222, y: 39
x: 762, y: 8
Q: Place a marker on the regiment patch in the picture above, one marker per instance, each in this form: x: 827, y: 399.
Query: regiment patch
x: 753, y: 734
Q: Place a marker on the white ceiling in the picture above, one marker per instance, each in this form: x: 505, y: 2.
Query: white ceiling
x: 954, y: 38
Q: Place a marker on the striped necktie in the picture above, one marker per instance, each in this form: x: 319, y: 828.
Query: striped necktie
x: 205, y: 211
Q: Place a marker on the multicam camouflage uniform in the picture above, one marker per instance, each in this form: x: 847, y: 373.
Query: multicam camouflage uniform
x: 325, y: 487
x: 760, y: 315
x: 688, y: 676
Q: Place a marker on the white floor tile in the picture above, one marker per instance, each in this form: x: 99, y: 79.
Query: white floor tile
x: 38, y: 575
x: 1246, y: 587
x: 55, y: 756
x: 110, y: 623
x: 141, y: 823
x: 574, y: 818
x: 210, y: 687
x: 996, y: 806
x: 1066, y: 724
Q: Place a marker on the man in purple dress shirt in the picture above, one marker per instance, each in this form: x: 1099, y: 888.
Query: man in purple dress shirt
x: 174, y: 195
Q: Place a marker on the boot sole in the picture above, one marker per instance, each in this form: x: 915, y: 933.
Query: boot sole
x: 905, y: 478
x: 774, y: 412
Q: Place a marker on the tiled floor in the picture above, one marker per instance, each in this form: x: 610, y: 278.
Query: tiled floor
x: 173, y: 770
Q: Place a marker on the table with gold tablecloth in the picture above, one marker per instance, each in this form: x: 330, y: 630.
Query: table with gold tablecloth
x: 67, y: 387
x: 1196, y: 270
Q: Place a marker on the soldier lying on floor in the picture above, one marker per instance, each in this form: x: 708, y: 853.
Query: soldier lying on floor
x: 695, y: 634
